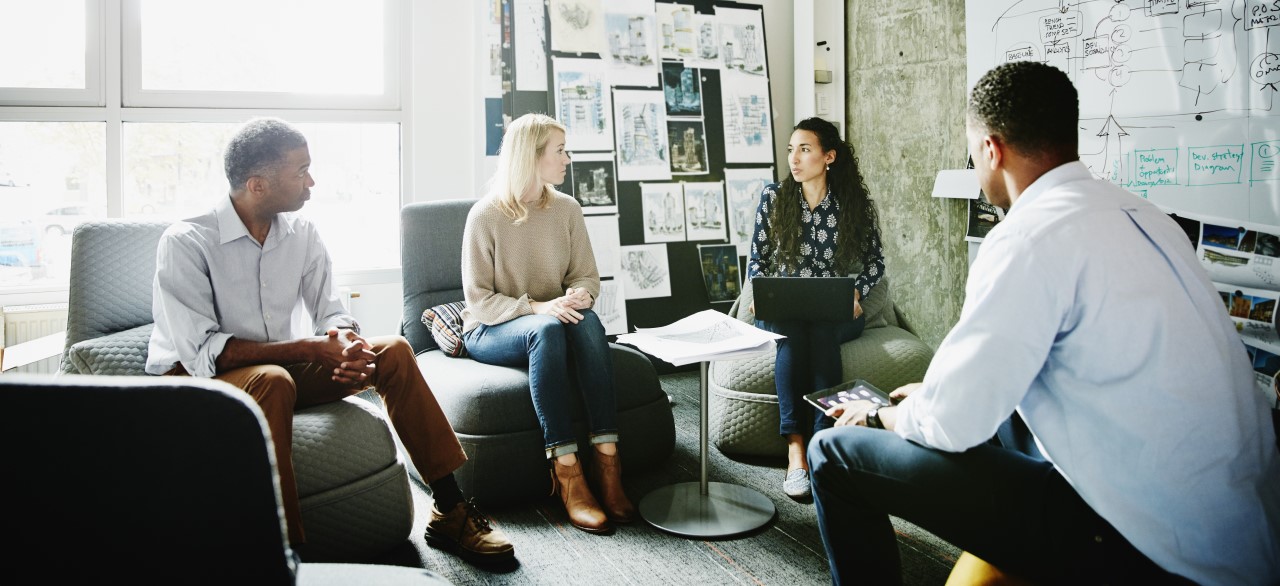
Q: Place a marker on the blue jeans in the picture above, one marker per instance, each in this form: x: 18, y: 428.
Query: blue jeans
x: 545, y: 345
x: 1012, y: 510
x: 808, y: 360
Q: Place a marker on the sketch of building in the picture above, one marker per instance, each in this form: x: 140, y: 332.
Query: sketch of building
x: 720, y: 272
x: 682, y: 89
x: 641, y: 144
x: 631, y: 46
x: 708, y: 49
x: 595, y: 188
x: 688, y: 146
x: 663, y: 207
x: 580, y: 105
x: 682, y: 25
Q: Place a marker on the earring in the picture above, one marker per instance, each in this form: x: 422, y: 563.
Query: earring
x: 828, y: 167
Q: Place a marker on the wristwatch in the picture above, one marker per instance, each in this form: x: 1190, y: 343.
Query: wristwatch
x: 873, y: 419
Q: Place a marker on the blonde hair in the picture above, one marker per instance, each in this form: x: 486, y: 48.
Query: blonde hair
x: 523, y: 144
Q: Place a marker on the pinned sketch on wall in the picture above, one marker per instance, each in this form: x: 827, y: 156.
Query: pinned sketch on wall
x: 645, y: 272
x: 682, y: 89
x: 577, y: 26
x: 743, y: 189
x: 1178, y: 100
x: 688, y: 140
x: 631, y: 43
x: 720, y: 272
x: 704, y: 214
x: 1233, y: 252
x: 611, y: 307
x: 531, y: 45
x: 662, y: 205
x: 640, y: 133
x: 677, y: 37
x: 742, y: 40
x: 707, y: 55
x: 592, y: 181
x: 603, y: 231
x: 748, y: 130
x: 583, y: 103
x: 491, y: 84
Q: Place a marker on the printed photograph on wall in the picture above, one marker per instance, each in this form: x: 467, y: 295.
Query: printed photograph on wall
x: 742, y: 40
x: 676, y: 34
x: 720, y: 272
x: 640, y: 133
x: 603, y: 231
x: 743, y: 189
x: 983, y: 216
x: 682, y: 88
x: 611, y: 308
x: 577, y: 26
x: 593, y: 182
x: 583, y: 104
x: 748, y: 130
x: 531, y: 46
x: 663, y: 207
x: 688, y: 140
x: 631, y: 46
x: 645, y: 272
x: 704, y: 211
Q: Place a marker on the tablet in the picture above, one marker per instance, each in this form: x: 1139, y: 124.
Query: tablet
x: 804, y: 298
x: 843, y: 393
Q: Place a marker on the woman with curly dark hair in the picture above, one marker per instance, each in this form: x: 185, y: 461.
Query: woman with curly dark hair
x: 818, y: 222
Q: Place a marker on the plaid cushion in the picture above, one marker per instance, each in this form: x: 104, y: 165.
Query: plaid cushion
x: 445, y: 322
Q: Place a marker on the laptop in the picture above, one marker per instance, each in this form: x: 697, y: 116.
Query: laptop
x: 803, y: 298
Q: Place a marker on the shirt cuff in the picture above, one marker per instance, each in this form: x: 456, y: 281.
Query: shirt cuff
x: 205, y: 363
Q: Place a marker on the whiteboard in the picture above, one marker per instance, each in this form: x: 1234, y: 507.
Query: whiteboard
x: 1178, y: 98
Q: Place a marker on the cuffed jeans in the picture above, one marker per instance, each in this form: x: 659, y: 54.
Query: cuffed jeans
x: 549, y: 349
x: 808, y: 360
x: 1012, y: 510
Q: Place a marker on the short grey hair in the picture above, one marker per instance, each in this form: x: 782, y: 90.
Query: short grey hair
x: 259, y: 145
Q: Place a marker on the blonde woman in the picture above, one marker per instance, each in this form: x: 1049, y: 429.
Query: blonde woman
x: 530, y: 279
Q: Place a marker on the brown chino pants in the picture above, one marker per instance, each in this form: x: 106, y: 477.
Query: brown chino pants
x: 415, y: 414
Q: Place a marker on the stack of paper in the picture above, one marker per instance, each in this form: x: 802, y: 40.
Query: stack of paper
x: 703, y: 336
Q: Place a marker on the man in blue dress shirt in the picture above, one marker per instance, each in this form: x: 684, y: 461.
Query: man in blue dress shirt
x: 226, y: 285
x: 1087, y: 313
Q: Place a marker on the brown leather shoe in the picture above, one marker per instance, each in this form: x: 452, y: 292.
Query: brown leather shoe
x: 584, y: 511
x: 467, y: 532
x: 607, y: 475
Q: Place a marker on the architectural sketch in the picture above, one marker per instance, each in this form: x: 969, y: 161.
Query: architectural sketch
x: 707, y: 55
x: 720, y: 272
x: 640, y: 133
x: 704, y: 211
x: 742, y: 40
x: 583, y: 103
x: 743, y: 189
x: 688, y: 139
x: 577, y: 26
x: 531, y: 46
x: 676, y: 31
x: 611, y: 308
x: 492, y: 35
x: 603, y: 231
x: 631, y: 43
x: 682, y: 89
x: 593, y: 181
x: 748, y: 127
x: 663, y: 207
x: 645, y: 272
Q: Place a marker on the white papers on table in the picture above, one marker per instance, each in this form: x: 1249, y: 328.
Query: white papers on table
x: 703, y: 336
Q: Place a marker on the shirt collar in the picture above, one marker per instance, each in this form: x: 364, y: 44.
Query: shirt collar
x: 1064, y: 173
x: 231, y: 228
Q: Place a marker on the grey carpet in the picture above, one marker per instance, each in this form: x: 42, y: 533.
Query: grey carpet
x: 786, y: 551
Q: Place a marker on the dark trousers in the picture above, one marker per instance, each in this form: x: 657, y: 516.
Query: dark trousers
x: 808, y: 360
x: 1012, y: 510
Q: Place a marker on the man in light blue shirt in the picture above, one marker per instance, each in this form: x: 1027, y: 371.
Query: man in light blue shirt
x: 1087, y: 312
x: 226, y: 286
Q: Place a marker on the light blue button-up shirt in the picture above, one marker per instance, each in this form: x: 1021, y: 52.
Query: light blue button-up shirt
x: 214, y: 282
x: 1087, y: 309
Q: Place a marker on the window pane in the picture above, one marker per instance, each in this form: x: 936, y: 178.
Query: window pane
x: 52, y: 177
x: 300, y: 46
x: 174, y: 170
x: 42, y: 45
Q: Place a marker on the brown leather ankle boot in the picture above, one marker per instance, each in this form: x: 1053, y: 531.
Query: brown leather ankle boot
x: 584, y: 511
x: 607, y: 474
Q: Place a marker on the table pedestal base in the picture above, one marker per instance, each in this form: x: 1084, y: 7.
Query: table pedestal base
x: 726, y: 509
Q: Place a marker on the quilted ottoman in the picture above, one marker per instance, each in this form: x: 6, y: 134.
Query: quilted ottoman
x: 744, y: 402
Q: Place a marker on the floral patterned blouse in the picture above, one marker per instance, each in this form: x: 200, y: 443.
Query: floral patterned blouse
x: 817, y: 248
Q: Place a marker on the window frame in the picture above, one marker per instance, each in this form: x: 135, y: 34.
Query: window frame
x: 92, y: 93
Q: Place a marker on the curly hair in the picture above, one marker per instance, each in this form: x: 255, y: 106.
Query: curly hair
x: 857, y: 221
x: 1031, y: 106
x: 258, y: 147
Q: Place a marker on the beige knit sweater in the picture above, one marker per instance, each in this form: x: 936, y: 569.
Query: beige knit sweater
x: 505, y: 267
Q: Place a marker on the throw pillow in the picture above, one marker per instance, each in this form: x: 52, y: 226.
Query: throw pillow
x: 445, y: 323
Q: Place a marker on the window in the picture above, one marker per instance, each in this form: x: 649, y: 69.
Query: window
x: 73, y: 149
